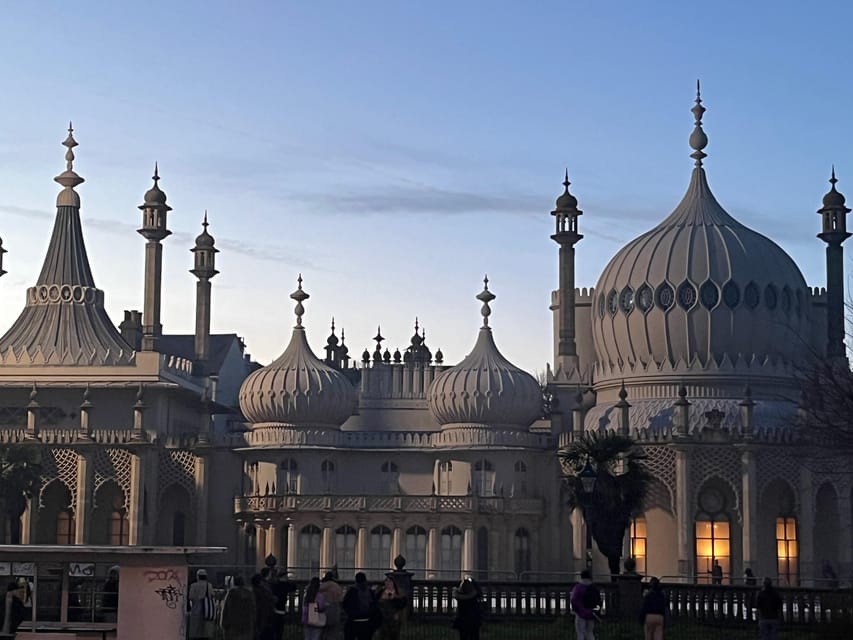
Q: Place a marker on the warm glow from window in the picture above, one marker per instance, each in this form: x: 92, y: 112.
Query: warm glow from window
x: 712, y: 545
x: 787, y: 551
x: 638, y: 543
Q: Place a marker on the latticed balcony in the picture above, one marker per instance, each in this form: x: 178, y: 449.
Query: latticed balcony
x: 257, y: 506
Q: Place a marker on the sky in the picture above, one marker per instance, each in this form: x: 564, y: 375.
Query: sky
x: 395, y: 152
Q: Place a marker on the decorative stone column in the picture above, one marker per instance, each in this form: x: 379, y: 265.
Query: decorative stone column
x: 261, y: 535
x: 327, y: 548
x: 293, y: 548
x: 468, y: 549
x: 808, y: 570
x: 396, y: 538
x: 683, y: 514
x: 201, y: 496
x: 749, y: 488
x: 274, y: 540
x: 578, y: 540
x: 433, y: 559
x: 361, y: 543
x: 137, y: 491
x: 83, y: 503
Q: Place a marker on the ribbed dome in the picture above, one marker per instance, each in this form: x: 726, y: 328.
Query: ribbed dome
x: 485, y: 388
x: 297, y: 389
x: 699, y: 285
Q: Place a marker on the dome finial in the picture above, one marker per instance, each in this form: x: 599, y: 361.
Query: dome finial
x: 486, y: 296
x: 566, y: 182
x: 204, y: 222
x: 833, y: 179
x: 698, y: 139
x: 300, y: 296
x: 68, y: 178
x: 156, y: 175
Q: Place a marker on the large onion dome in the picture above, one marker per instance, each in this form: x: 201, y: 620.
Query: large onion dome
x: 485, y: 388
x: 700, y: 287
x: 297, y: 389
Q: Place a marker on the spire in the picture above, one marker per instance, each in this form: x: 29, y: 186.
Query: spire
x: 698, y: 139
x: 64, y: 320
x: 68, y: 178
x: 833, y: 197
x: 486, y: 296
x: 300, y: 296
x: 566, y: 202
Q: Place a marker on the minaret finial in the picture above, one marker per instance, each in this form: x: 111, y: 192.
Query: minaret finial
x: 833, y: 179
x: 68, y: 178
x: 698, y: 139
x: 486, y: 296
x: 204, y: 222
x: 156, y: 175
x: 333, y: 324
x: 566, y: 182
x: 300, y: 296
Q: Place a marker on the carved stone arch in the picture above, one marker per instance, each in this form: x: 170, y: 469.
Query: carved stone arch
x: 115, y: 465
x: 176, y: 467
x: 659, y: 495
x: 718, y: 464
x: 55, y: 498
x: 60, y: 464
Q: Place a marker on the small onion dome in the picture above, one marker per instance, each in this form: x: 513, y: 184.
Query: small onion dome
x: 204, y: 240
x: 833, y: 197
x: 566, y: 201
x: 485, y: 388
x: 298, y: 388
x: 155, y: 195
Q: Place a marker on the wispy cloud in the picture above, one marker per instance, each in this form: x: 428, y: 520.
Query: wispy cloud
x: 257, y: 250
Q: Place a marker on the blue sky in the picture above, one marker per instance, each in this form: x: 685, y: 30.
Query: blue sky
x: 394, y: 152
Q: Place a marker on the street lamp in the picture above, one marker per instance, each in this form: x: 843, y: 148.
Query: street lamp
x: 588, y: 478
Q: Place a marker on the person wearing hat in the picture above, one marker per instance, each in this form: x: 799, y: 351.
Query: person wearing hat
x: 200, y: 590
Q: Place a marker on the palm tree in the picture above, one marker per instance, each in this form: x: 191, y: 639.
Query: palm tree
x: 621, y: 483
x: 20, y: 476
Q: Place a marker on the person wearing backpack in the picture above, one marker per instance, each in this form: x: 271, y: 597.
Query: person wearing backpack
x: 360, y: 606
x: 585, y: 599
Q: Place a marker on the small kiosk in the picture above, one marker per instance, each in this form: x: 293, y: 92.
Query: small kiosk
x: 71, y: 590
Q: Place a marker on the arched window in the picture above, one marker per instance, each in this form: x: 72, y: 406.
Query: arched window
x: 787, y: 551
x: 638, y: 543
x: 65, y: 526
x: 416, y: 544
x: 390, y: 477
x: 450, y: 560
x: 288, y: 477
x: 327, y: 475
x: 310, y: 538
x: 713, y: 536
x: 379, y: 551
x: 345, y: 539
x: 521, y: 545
x: 445, y: 471
x: 484, y: 478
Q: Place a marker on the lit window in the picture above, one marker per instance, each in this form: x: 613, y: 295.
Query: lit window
x: 787, y: 551
x: 638, y: 544
x: 713, y: 546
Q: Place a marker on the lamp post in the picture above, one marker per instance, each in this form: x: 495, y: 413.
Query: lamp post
x: 588, y: 477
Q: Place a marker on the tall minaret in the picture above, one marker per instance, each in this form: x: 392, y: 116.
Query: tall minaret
x: 154, y: 210
x: 204, y: 269
x: 834, y: 233
x: 566, y: 214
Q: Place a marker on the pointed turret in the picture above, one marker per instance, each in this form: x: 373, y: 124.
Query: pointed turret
x: 154, y: 212
x: 64, y: 321
x: 204, y: 268
x: 834, y: 233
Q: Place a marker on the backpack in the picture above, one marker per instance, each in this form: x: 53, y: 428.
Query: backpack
x: 591, y: 597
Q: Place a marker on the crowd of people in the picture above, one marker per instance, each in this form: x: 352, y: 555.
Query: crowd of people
x: 259, y: 610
